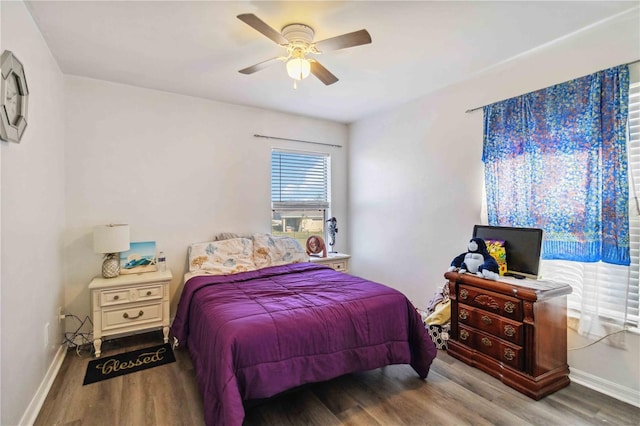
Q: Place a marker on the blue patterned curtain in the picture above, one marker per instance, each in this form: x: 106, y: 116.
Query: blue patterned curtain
x: 556, y: 159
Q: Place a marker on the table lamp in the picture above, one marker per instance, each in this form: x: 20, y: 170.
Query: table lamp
x: 111, y: 240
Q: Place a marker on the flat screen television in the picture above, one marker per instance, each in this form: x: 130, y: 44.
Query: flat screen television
x: 522, y: 245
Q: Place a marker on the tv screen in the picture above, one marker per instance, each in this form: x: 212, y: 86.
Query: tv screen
x: 522, y: 245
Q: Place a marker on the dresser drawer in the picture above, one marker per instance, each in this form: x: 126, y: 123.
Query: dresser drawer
x: 127, y: 316
x: 508, y: 354
x: 499, y: 304
x: 504, y: 328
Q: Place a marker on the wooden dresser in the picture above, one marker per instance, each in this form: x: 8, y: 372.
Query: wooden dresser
x: 514, y: 332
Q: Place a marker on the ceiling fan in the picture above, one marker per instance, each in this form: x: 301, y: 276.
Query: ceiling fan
x: 298, y: 40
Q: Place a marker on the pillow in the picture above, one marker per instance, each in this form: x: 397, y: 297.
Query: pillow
x: 229, y: 235
x: 270, y: 250
x: 222, y: 257
x: 497, y: 250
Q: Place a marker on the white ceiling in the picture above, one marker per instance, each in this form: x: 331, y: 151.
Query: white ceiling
x: 196, y: 48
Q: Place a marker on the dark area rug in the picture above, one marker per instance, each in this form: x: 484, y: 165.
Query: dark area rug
x: 128, y: 362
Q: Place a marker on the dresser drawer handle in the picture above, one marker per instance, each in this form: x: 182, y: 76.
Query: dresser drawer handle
x: 464, y: 334
x: 509, y: 307
x: 126, y: 315
x: 464, y: 294
x: 509, y: 330
x: 149, y: 293
x: 486, y: 341
x: 463, y: 314
x: 116, y: 297
x: 485, y: 319
x: 509, y: 354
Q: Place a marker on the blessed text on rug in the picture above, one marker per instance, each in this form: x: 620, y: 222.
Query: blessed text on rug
x: 128, y: 362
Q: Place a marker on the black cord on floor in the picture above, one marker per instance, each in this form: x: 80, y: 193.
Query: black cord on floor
x: 79, y: 339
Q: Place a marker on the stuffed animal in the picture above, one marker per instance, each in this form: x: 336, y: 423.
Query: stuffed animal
x: 477, y: 261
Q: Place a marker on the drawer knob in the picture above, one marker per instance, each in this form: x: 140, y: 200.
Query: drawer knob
x: 509, y: 307
x: 485, y: 319
x: 464, y: 294
x: 509, y: 354
x: 149, y: 293
x: 509, y: 330
x: 116, y: 297
x: 463, y: 314
x: 464, y: 334
x: 486, y: 341
x: 126, y: 315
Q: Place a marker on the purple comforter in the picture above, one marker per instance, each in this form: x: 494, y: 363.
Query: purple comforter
x: 255, y: 334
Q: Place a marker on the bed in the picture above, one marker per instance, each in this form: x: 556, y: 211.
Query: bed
x: 264, y: 329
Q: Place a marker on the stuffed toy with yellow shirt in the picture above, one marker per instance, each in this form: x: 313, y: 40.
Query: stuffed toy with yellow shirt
x: 476, y: 260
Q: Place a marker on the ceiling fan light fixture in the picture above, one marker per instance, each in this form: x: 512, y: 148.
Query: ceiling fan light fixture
x: 297, y: 39
x: 298, y: 68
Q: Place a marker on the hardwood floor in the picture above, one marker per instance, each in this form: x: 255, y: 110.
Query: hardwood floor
x: 453, y: 394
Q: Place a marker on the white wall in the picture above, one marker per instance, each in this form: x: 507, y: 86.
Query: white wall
x: 32, y: 220
x: 177, y: 169
x: 0, y: 245
x: 415, y: 175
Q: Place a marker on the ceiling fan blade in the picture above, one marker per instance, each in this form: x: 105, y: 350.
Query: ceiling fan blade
x: 355, y: 38
x: 260, y: 66
x: 259, y: 25
x: 323, y: 74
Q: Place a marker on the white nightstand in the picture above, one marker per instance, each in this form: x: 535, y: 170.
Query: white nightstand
x: 129, y: 303
x: 338, y: 261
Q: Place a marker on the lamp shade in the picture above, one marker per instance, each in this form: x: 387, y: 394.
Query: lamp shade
x: 111, y: 238
x: 298, y: 68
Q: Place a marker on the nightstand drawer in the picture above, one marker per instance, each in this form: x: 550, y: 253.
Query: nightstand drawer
x: 120, y: 296
x: 115, y: 297
x: 336, y: 261
x: 131, y: 316
x: 149, y: 293
x: 339, y: 266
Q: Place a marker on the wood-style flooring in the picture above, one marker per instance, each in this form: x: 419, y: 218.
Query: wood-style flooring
x: 452, y: 394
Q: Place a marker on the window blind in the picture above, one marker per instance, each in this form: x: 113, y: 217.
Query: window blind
x: 634, y: 207
x: 299, y: 180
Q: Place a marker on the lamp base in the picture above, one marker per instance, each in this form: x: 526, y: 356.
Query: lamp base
x: 111, y: 266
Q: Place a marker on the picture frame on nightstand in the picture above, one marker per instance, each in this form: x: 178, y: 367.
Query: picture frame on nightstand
x: 140, y: 258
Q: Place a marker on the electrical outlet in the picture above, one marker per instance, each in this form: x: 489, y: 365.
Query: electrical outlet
x: 46, y: 335
x: 61, y: 315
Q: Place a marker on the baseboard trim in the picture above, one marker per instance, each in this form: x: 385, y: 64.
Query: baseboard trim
x: 31, y: 414
x: 614, y: 390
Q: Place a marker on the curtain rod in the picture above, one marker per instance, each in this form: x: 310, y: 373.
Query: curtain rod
x: 480, y: 107
x: 297, y: 140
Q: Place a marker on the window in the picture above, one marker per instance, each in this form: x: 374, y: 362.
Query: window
x: 299, y: 194
x: 634, y: 204
x: 605, y: 295
x: 601, y: 288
